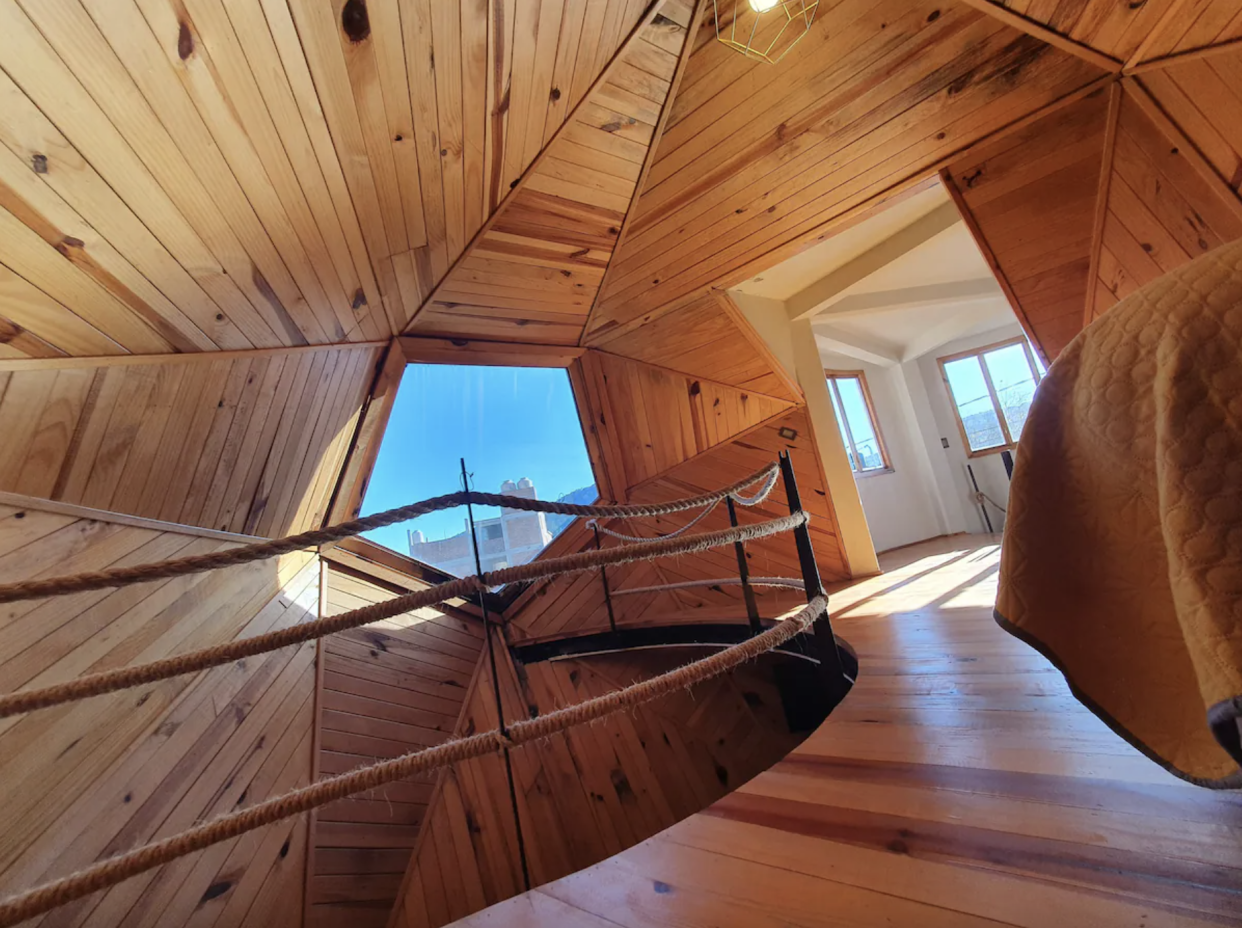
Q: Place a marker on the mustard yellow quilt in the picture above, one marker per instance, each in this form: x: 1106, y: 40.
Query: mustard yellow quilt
x: 1122, y: 556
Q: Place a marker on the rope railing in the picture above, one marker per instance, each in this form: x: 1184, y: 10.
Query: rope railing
x: 109, y: 872
x: 126, y: 677
x: 114, y: 870
x: 244, y: 554
x: 790, y: 583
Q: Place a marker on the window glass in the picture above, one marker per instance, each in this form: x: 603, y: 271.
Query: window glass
x: 845, y: 436
x: 974, y: 404
x: 1014, y: 384
x: 992, y: 389
x: 866, y: 444
x: 518, y: 430
x: 859, y: 431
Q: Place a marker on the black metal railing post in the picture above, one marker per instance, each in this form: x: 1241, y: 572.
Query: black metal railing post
x: 829, y: 656
x: 743, y: 569
x: 491, y: 656
x: 603, y: 576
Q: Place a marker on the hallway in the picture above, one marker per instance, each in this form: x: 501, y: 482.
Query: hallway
x: 960, y: 784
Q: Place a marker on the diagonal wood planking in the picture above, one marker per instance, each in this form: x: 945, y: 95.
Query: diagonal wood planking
x: 756, y: 160
x: 1030, y: 198
x: 536, y: 269
x: 245, y: 173
x: 1165, y: 202
x: 98, y: 777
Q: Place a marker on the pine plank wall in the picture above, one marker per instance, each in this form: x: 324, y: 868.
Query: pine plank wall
x: 102, y: 775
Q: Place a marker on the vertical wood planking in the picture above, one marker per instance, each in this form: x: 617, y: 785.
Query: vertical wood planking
x: 248, y: 444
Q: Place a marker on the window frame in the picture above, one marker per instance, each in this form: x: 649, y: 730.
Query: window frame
x: 887, y: 468
x: 1010, y: 442
x: 404, y: 350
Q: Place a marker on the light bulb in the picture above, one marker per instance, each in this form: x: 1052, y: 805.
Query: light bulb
x: 762, y: 6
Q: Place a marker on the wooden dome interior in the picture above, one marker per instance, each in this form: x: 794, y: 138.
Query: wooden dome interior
x: 227, y: 225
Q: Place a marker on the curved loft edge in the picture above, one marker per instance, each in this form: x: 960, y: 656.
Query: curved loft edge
x: 959, y: 784
x: 589, y: 794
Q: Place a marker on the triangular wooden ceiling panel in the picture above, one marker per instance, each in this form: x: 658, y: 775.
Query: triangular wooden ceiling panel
x: 1194, y: 25
x: 651, y: 419
x: 708, y: 338
x: 1204, y: 98
x: 1030, y: 197
x: 207, y: 174
x: 870, y: 100
x: 1164, y: 203
x: 534, y: 272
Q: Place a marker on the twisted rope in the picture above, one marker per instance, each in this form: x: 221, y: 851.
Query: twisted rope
x: 123, y: 678
x: 760, y: 495
x: 124, y: 576
x: 790, y: 583
x: 114, y: 870
x: 673, y: 534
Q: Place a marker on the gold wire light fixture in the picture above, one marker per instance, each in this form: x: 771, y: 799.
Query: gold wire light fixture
x: 763, y: 29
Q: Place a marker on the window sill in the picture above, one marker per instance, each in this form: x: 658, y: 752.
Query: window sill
x: 983, y: 452
x: 875, y: 472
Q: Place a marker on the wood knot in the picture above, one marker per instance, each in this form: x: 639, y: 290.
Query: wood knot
x: 185, y: 41
x: 355, y: 21
x: 39, y: 163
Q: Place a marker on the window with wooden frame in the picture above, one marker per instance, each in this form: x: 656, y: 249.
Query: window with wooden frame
x: 860, y: 430
x: 991, y: 389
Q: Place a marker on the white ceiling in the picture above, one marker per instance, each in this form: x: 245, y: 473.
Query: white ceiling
x: 796, y: 273
x: 935, y: 292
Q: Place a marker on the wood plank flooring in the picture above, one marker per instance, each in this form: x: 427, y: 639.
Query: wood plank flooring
x: 959, y: 784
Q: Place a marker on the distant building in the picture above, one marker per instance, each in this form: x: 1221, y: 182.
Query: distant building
x: 512, y: 539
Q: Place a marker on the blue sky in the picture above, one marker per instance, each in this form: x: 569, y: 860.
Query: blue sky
x: 507, y: 422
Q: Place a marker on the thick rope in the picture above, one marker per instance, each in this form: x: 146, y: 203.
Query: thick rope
x: 114, y: 870
x: 760, y: 495
x: 123, y: 678
x: 162, y: 570
x: 673, y: 534
x: 791, y: 583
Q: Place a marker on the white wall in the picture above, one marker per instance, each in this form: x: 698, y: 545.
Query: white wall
x: 989, y: 469
x: 902, y: 506
x: 794, y: 346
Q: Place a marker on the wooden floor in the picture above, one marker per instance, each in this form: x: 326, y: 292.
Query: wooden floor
x: 959, y: 785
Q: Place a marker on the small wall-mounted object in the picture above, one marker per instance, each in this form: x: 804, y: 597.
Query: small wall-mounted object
x: 787, y: 433
x: 944, y: 442
x: 763, y: 29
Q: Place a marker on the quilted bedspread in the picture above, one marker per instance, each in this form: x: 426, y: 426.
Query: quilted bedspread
x: 1122, y: 556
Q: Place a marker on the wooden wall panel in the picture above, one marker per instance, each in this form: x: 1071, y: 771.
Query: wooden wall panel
x: 392, y: 687
x: 565, y: 606
x: 245, y: 444
x: 536, y: 271
x: 655, y: 418
x: 703, y: 340
x: 770, y: 557
x: 592, y: 792
x: 1031, y: 198
x: 1162, y: 210
x: 573, y: 605
x: 1204, y: 99
x: 102, y: 775
x: 873, y: 96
